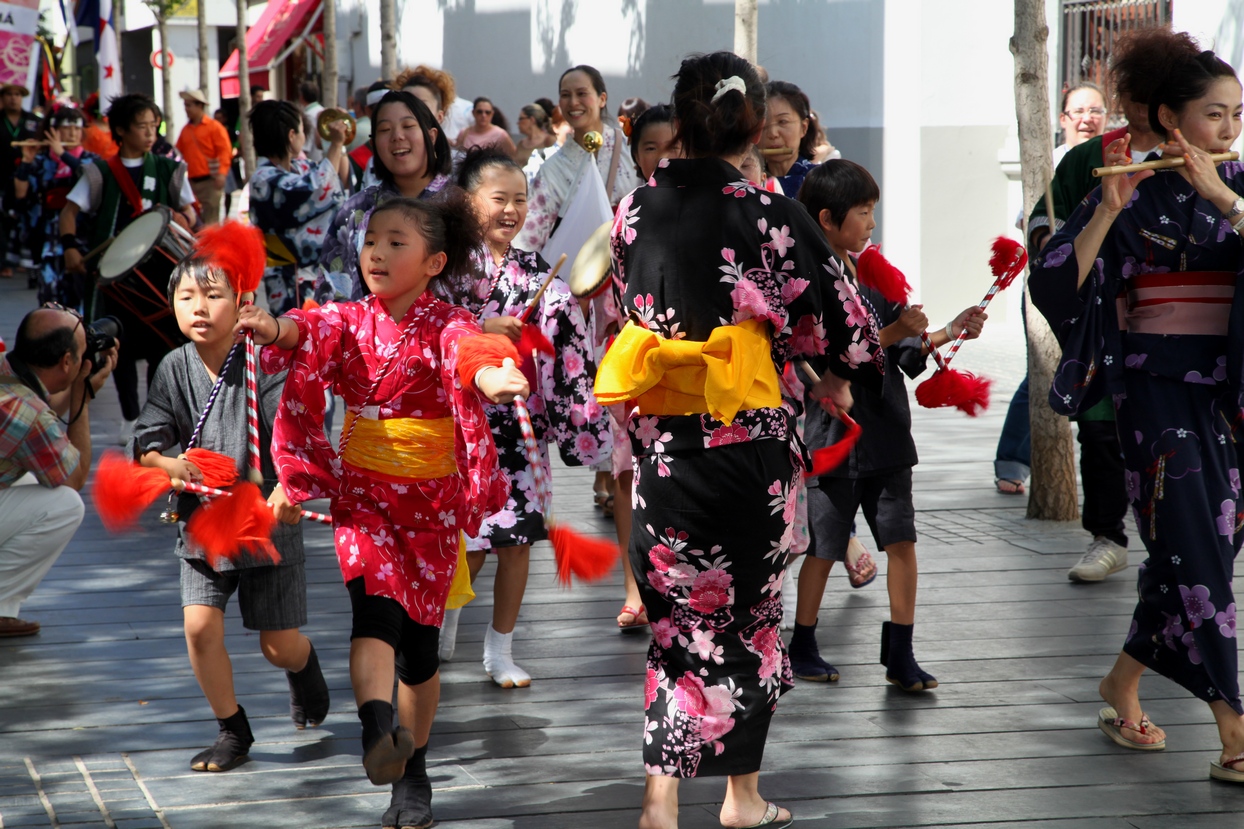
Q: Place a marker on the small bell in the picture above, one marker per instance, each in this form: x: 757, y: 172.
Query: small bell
x: 593, y: 141
x: 170, y: 516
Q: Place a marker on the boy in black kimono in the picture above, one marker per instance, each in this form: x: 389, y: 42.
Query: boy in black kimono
x: 841, y: 196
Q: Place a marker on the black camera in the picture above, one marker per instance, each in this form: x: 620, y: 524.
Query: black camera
x: 101, y: 335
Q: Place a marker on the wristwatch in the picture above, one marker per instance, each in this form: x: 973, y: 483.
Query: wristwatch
x: 1237, y: 209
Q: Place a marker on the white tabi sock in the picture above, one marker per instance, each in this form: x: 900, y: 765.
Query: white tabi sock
x: 499, y: 663
x: 449, y: 634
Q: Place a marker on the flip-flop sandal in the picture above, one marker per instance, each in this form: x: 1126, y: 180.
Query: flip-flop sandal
x: 600, y: 498
x: 1232, y: 771
x: 771, y: 819
x: 607, y: 509
x: 636, y: 613
x: 862, y: 571
x: 1112, y: 725
x: 1009, y: 487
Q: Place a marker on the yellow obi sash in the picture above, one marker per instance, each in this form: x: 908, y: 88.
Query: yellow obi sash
x: 401, y: 447
x: 732, y: 370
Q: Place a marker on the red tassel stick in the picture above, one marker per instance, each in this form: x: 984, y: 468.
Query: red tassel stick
x: 218, y: 470
x: 123, y: 489
x: 1007, y: 260
x: 828, y: 458
x: 875, y: 271
x: 213, y: 492
x: 237, y: 249
x: 950, y: 387
x: 483, y: 351
x: 225, y: 527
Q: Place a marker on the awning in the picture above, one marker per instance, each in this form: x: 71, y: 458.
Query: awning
x: 280, y: 29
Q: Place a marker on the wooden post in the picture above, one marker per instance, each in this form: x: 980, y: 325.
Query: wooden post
x: 388, y: 40
x: 245, y: 140
x: 745, y: 28
x: 1053, y: 491
x: 328, y: 85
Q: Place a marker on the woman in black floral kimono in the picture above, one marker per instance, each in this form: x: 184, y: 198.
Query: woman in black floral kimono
x: 724, y: 284
x: 563, y: 408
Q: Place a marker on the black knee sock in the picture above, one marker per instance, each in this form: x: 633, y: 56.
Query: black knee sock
x: 377, y: 718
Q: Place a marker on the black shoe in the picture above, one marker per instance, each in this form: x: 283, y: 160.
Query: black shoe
x: 385, y: 748
x: 308, y: 694
x: 901, y: 668
x: 805, y: 656
x: 230, y: 749
x: 411, y: 806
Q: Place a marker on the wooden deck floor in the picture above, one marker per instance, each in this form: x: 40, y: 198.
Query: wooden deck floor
x: 100, y: 713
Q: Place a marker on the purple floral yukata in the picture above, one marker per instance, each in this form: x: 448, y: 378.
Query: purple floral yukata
x: 1158, y: 324
x: 698, y: 248
x: 563, y: 407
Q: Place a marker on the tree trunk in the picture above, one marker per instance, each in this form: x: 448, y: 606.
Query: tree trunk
x: 245, y: 140
x: 388, y: 41
x: 205, y: 55
x: 1053, y: 490
x: 166, y: 78
x: 745, y: 27
x: 329, y: 84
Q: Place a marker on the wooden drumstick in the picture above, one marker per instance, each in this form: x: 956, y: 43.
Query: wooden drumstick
x: 536, y: 301
x: 1159, y: 164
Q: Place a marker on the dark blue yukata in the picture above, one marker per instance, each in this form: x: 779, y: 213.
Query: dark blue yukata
x: 1159, y: 326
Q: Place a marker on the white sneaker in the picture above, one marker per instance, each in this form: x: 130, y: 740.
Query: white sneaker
x: 449, y: 634
x: 127, y: 432
x: 1103, y: 558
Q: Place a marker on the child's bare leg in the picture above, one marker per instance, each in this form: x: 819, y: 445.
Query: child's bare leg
x: 900, y: 578
x: 416, y: 707
x: 287, y: 649
x: 660, y: 809
x: 411, y: 804
x: 509, y: 586
x: 622, y: 525
x: 475, y: 562
x: 813, y: 576
x: 205, y: 643
x: 385, y: 749
x: 508, y: 589
x: 1230, y: 729
x: 371, y: 669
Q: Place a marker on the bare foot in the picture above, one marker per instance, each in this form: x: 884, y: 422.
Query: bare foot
x: 1126, y: 703
x: 749, y: 814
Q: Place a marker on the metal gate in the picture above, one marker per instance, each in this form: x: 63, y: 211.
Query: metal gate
x: 1090, y: 29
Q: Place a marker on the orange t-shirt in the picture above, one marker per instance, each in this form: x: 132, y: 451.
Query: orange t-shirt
x: 200, y: 143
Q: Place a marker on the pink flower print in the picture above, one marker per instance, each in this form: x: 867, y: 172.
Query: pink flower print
x: 748, y: 301
x: 1233, y: 477
x: 725, y: 435
x: 650, y: 688
x: 1132, y: 480
x: 1197, y: 605
x: 792, y: 289
x: 504, y: 519
x: 572, y: 361
x: 1194, y: 653
x: 711, y: 591
x: 857, y: 354
x: 587, y: 446
x: 385, y: 571
x: 682, y: 574
x: 1054, y: 258
x: 624, y: 219
x: 689, y: 695
x: 382, y: 538
x: 808, y: 336
x: 762, y: 225
x: 703, y: 647
x: 765, y: 643
x: 1226, y: 621
x: 663, y: 632
x: 782, y: 240
x: 857, y: 313
x: 660, y: 583
x: 662, y: 557
x: 646, y: 430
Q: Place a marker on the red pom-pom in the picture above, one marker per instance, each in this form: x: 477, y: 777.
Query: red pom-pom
x: 483, y: 351
x: 588, y: 559
x: 123, y: 489
x: 231, y: 524
x: 309, y: 304
x: 219, y: 471
x: 950, y: 387
x: 875, y: 271
x: 1007, y: 260
x: 831, y: 457
x: 238, y: 250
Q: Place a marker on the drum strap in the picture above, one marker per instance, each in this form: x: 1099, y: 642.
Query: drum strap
x: 126, y: 183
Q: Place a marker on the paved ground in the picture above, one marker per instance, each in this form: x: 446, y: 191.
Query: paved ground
x: 100, y: 714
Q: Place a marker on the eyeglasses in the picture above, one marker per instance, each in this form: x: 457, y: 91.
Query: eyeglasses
x: 1091, y: 112
x: 56, y: 306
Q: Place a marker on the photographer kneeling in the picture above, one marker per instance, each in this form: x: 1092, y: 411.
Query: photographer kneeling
x: 49, y: 362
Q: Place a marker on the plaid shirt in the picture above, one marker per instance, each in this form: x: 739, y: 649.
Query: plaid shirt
x: 32, y: 438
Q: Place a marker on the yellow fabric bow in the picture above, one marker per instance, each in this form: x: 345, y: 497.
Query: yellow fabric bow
x: 731, y: 371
